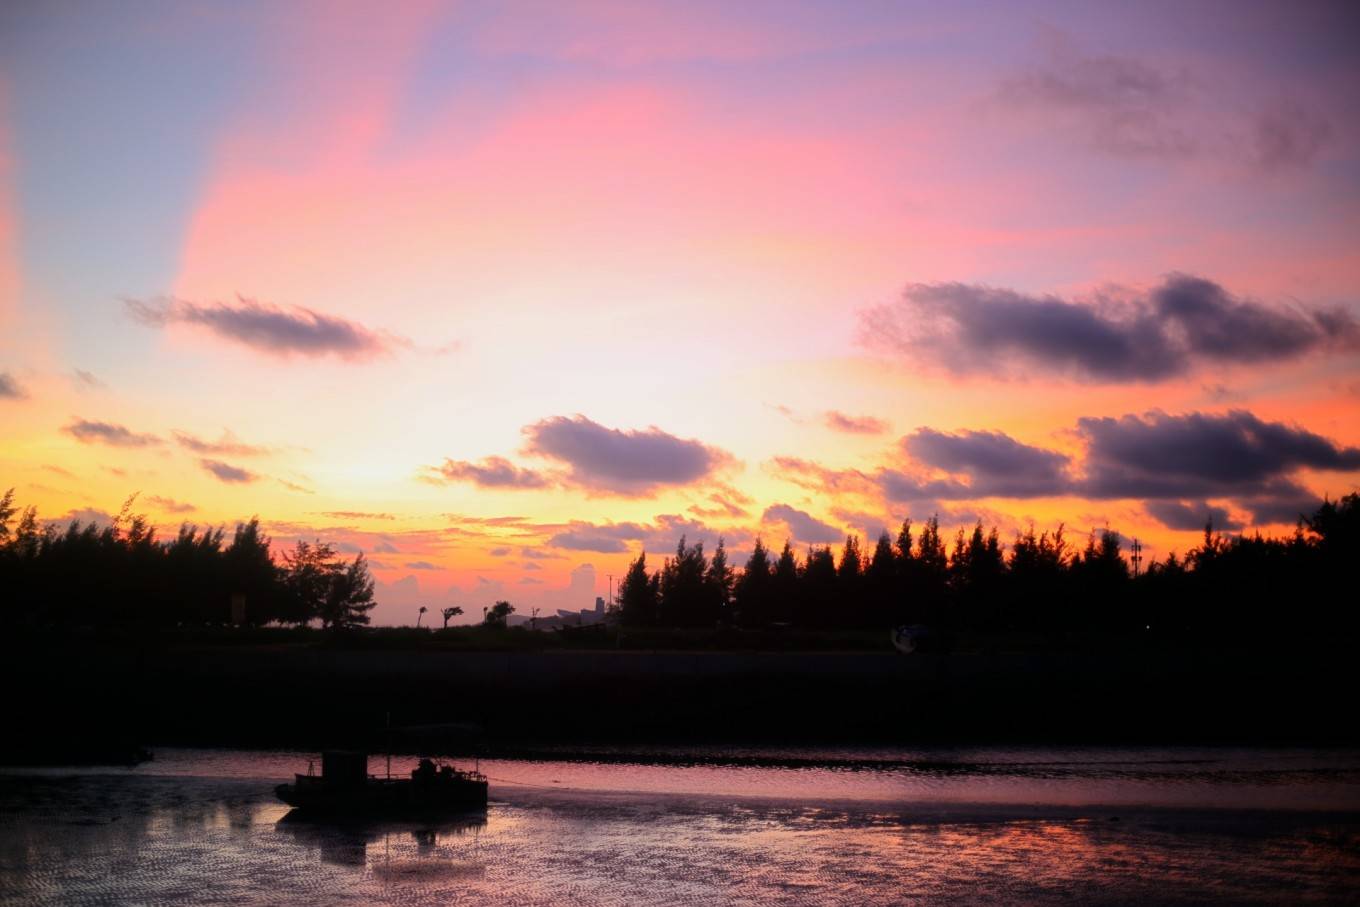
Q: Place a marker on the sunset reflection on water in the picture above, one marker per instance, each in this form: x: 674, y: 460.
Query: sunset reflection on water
x: 200, y: 827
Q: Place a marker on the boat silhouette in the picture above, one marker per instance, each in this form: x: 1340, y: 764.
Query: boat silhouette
x: 345, y: 788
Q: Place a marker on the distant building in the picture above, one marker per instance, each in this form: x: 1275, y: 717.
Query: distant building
x: 563, y: 618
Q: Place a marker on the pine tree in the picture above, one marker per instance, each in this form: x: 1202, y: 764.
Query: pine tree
x: 754, y: 587
x: 637, y: 595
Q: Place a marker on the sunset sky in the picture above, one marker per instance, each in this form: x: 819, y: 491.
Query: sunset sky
x: 502, y: 293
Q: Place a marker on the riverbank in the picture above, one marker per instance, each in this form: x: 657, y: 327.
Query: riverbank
x: 74, y: 693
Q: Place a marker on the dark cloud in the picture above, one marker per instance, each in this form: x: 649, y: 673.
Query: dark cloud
x: 170, y: 505
x: 501, y: 552
x: 1287, y: 135
x: 1183, y: 515
x: 591, y: 538
x: 612, y: 461
x: 1175, y: 464
x: 802, y: 525
x: 226, y: 446
x: 996, y: 464
x: 854, y: 425
x: 1129, y: 108
x: 1117, y: 105
x: 1185, y: 322
x: 870, y: 525
x: 1285, y: 506
x: 232, y: 475
x: 491, y: 472
x: 660, y: 535
x: 355, y: 515
x: 10, y: 389
x: 87, y: 380
x: 83, y: 515
x: 271, y: 329
x: 420, y: 565
x: 1201, y: 455
x: 294, y: 486
x: 92, y: 432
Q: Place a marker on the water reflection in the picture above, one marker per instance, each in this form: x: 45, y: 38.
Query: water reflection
x: 347, y: 842
x: 694, y: 836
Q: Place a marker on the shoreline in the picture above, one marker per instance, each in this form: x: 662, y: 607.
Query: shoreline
x: 97, y: 698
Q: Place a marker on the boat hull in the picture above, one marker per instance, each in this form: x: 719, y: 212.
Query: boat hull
x: 385, y: 798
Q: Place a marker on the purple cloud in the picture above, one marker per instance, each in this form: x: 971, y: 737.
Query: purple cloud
x: 996, y: 464
x: 232, y: 475
x: 1185, y: 323
x: 1201, y: 455
x: 803, y: 525
x: 854, y: 425
x: 93, y: 432
x: 1187, y: 516
x: 491, y: 472
x: 612, y: 461
x: 270, y: 329
x: 170, y: 505
x: 1129, y: 108
x: 10, y: 388
x: 228, y: 445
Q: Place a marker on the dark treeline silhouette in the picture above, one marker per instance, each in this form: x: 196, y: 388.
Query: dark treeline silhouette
x: 123, y: 575
x: 1040, y: 583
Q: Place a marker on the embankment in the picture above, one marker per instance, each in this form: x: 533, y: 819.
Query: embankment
x: 66, y: 694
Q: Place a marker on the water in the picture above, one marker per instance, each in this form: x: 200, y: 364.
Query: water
x: 711, y: 826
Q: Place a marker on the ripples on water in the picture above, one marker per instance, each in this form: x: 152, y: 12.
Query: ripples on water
x: 1077, y: 826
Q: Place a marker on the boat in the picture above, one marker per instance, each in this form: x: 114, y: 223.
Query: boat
x: 345, y: 788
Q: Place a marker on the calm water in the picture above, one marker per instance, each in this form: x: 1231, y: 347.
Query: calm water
x: 1033, y: 825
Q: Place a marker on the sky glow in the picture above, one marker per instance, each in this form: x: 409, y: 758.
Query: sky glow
x: 503, y: 293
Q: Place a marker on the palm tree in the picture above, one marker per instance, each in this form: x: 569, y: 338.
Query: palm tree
x: 423, y: 609
x: 449, y: 613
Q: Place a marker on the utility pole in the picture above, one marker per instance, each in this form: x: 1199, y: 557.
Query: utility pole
x: 611, y: 589
x: 1137, y: 556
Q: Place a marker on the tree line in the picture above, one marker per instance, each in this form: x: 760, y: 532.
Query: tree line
x: 123, y: 574
x: 1039, y: 583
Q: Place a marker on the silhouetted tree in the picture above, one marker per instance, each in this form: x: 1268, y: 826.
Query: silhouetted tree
x: 450, y: 613
x: 639, y: 594
x: 850, y: 586
x: 718, y: 583
x: 308, y: 570
x: 880, y: 583
x: 499, y: 613
x: 683, y: 587
x: 349, y: 597
x: 820, y: 589
x: 755, y: 589
x: 785, y: 588
x: 929, y: 575
x: 124, y: 574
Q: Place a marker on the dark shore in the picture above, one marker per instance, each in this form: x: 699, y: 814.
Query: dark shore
x: 84, y: 698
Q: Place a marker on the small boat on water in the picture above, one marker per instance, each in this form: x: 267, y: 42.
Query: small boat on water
x: 345, y: 788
